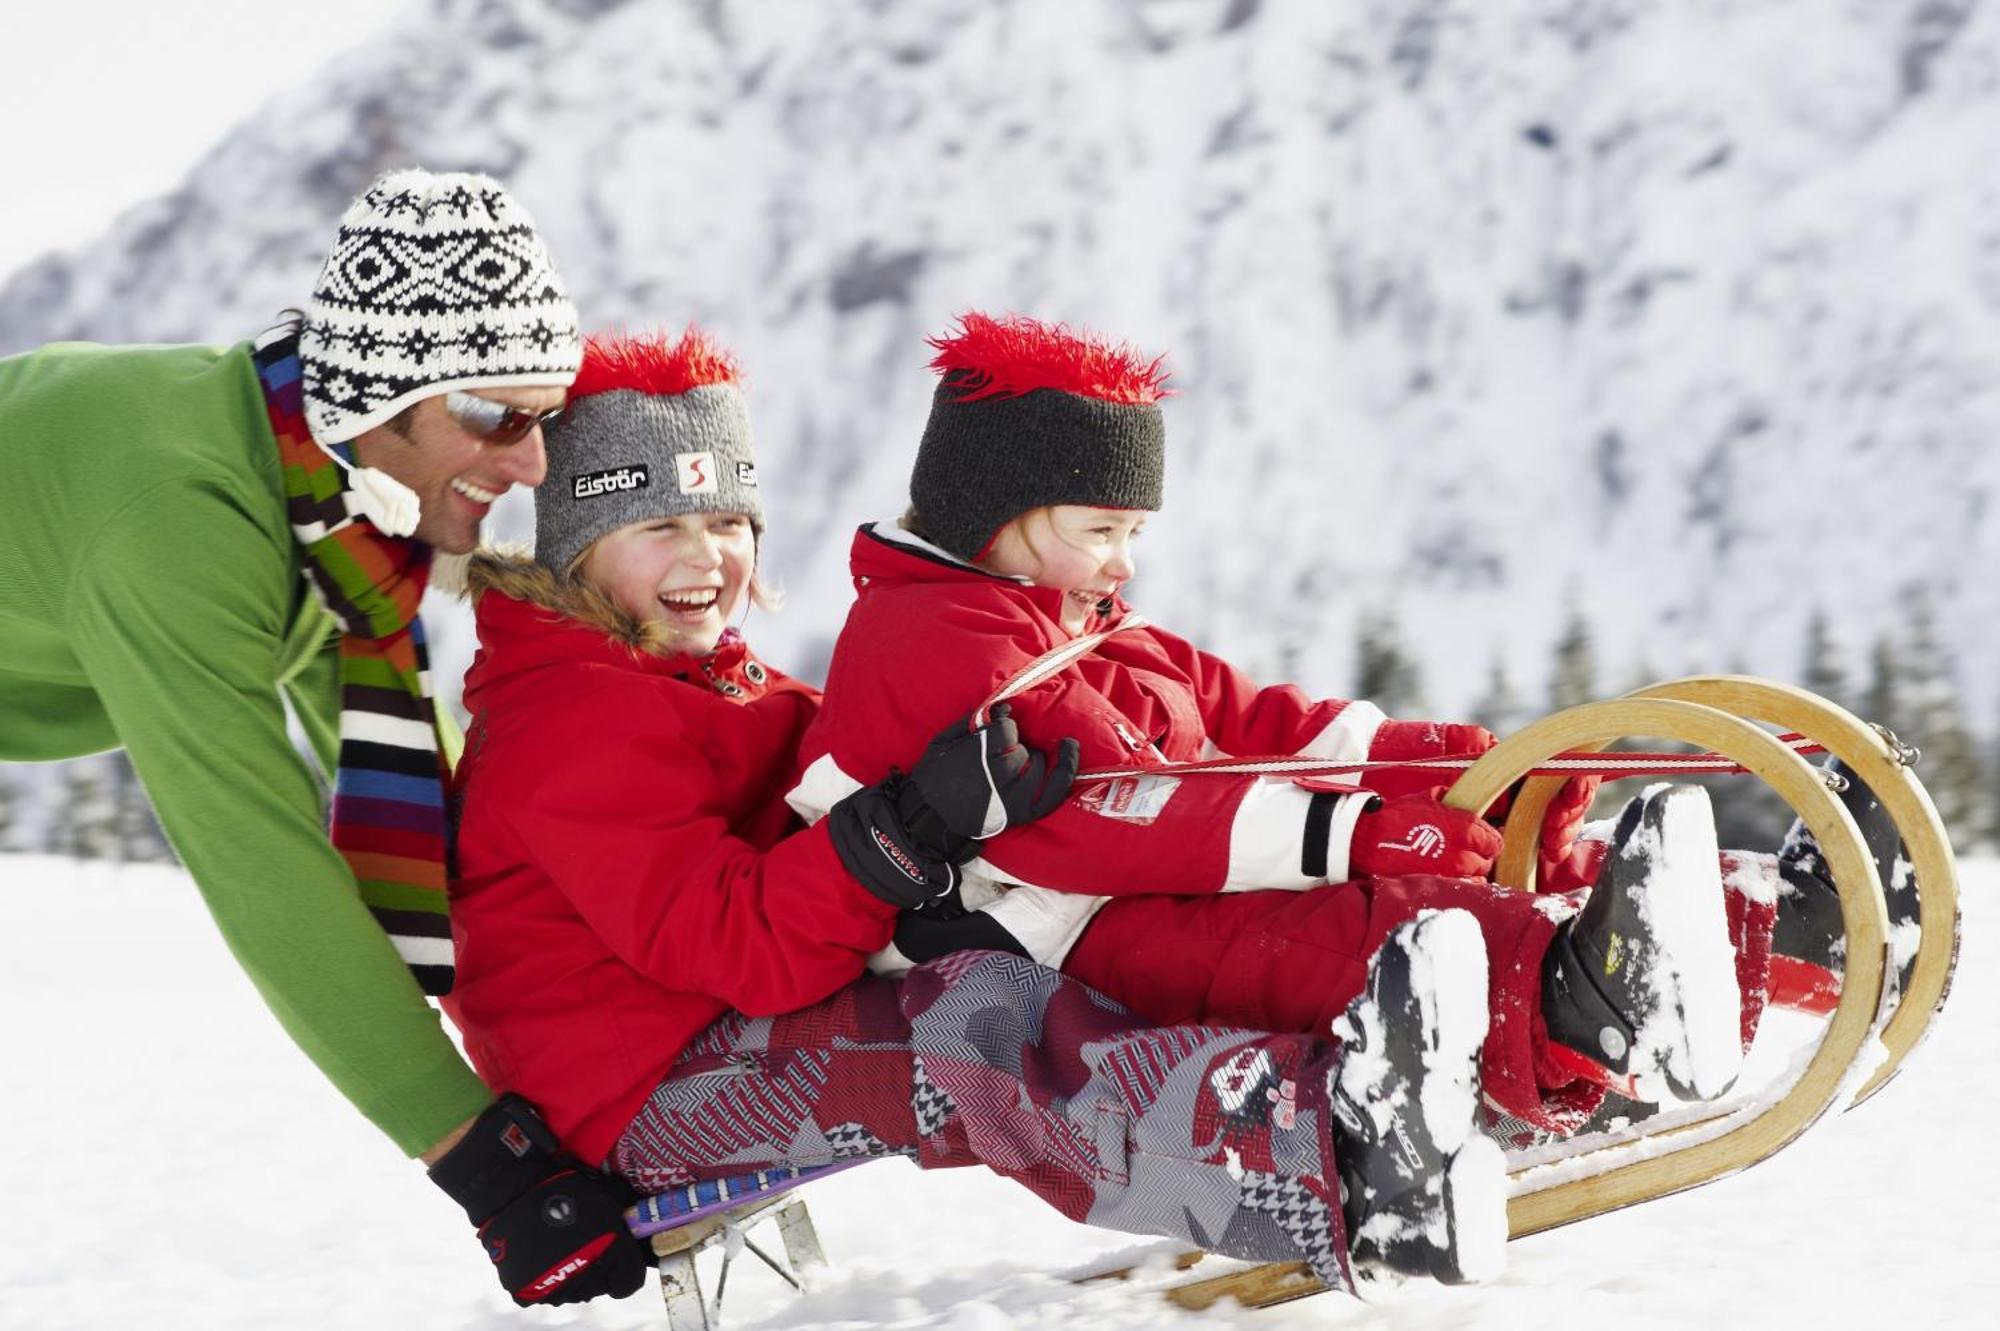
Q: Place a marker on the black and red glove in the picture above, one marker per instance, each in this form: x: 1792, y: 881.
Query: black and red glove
x: 1421, y: 834
x: 904, y: 838
x: 554, y: 1228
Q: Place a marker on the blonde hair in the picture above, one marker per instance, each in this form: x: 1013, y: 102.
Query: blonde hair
x: 913, y: 523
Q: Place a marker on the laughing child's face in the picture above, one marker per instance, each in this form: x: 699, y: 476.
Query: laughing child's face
x: 689, y: 572
x: 1085, y: 552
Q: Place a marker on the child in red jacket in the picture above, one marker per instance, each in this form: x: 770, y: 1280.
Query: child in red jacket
x: 1239, y: 899
x: 653, y: 951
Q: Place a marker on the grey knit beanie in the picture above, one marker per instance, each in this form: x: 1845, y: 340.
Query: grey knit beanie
x: 434, y: 283
x: 1030, y: 414
x: 654, y: 428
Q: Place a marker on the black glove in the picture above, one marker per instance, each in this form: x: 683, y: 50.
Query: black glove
x: 905, y: 837
x: 979, y: 783
x: 554, y: 1228
x: 871, y: 835
x: 925, y: 935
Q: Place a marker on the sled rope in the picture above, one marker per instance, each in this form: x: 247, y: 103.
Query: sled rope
x: 1613, y: 765
x: 1623, y: 764
x: 1049, y: 664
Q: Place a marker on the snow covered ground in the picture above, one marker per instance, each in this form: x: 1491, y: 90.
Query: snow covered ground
x: 175, y: 1163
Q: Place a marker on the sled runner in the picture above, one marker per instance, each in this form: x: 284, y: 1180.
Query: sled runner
x: 682, y: 1224
x: 1868, y: 1036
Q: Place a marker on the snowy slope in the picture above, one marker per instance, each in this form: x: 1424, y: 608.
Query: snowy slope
x: 1685, y: 309
x: 175, y: 1163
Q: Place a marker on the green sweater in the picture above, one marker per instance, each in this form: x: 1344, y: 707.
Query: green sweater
x: 151, y: 597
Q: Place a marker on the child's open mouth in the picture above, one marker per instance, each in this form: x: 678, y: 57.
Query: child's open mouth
x: 692, y: 604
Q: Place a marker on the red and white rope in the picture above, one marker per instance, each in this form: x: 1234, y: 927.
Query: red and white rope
x: 1613, y: 765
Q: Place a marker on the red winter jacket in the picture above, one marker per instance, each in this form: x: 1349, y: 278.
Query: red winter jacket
x: 625, y: 873
x: 930, y: 637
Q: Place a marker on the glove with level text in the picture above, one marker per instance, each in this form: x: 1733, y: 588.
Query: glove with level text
x: 554, y: 1229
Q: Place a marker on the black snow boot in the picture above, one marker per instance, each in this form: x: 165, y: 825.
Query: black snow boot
x: 1424, y: 1194
x: 1642, y: 982
x: 1809, y: 933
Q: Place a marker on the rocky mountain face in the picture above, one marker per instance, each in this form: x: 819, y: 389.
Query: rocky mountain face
x: 1680, y: 314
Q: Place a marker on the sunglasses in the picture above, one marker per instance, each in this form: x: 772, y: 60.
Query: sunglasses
x: 494, y: 422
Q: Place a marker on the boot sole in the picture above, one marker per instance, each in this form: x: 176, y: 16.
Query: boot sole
x: 1691, y: 1046
x: 1474, y: 1196
x: 1448, y: 965
x: 1475, y: 1204
x: 1467, y: 1224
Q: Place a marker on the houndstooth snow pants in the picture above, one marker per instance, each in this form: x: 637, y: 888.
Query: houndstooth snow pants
x: 1218, y: 1137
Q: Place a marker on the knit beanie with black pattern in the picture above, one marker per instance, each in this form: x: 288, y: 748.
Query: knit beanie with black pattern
x: 655, y: 427
x: 1029, y: 414
x: 435, y: 282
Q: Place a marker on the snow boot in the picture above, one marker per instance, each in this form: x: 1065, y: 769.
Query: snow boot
x: 1809, y: 943
x: 1639, y: 988
x: 1423, y: 1192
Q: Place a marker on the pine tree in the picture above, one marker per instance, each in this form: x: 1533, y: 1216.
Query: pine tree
x: 140, y: 840
x: 85, y: 825
x: 10, y: 809
x: 1881, y: 703
x: 1384, y: 673
x: 1993, y: 794
x: 1932, y: 717
x: 1574, y: 680
x: 1824, y: 674
x: 1500, y: 709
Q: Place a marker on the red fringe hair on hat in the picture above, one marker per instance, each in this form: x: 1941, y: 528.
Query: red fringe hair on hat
x: 1014, y: 354
x: 653, y: 363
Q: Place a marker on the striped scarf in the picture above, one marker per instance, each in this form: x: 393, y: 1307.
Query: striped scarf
x: 388, y: 794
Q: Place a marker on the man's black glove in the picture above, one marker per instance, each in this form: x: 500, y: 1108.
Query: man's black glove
x: 905, y: 837
x: 554, y: 1229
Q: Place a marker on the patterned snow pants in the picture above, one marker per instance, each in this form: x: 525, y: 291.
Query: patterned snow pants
x: 1220, y: 1138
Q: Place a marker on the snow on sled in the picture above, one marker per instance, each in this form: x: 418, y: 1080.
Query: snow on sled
x: 1864, y: 1040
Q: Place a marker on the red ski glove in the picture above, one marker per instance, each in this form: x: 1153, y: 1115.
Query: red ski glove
x: 1396, y: 741
x: 1561, y: 822
x: 1419, y: 834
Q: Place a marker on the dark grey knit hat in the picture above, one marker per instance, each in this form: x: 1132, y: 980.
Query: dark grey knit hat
x: 1031, y: 414
x: 654, y: 428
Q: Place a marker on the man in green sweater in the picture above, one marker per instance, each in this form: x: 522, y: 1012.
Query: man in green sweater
x: 190, y: 537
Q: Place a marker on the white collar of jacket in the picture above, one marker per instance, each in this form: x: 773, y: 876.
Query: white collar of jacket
x: 894, y: 533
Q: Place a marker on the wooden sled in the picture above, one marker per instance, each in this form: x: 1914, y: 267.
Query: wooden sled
x: 1869, y: 1035
x: 1867, y: 1038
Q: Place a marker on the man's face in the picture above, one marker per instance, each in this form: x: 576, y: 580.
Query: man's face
x: 456, y: 475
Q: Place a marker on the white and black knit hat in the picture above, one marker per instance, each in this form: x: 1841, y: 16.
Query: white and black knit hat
x: 434, y: 283
x: 1030, y: 414
x: 655, y: 427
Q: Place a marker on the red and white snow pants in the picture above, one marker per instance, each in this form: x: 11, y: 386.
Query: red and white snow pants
x: 1217, y: 1137
x: 1292, y: 961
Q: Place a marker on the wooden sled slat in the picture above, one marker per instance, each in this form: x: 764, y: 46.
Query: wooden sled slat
x: 1256, y: 1287
x: 1908, y: 805
x: 1593, y: 725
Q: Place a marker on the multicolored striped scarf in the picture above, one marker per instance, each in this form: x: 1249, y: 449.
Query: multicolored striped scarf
x: 389, y: 792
